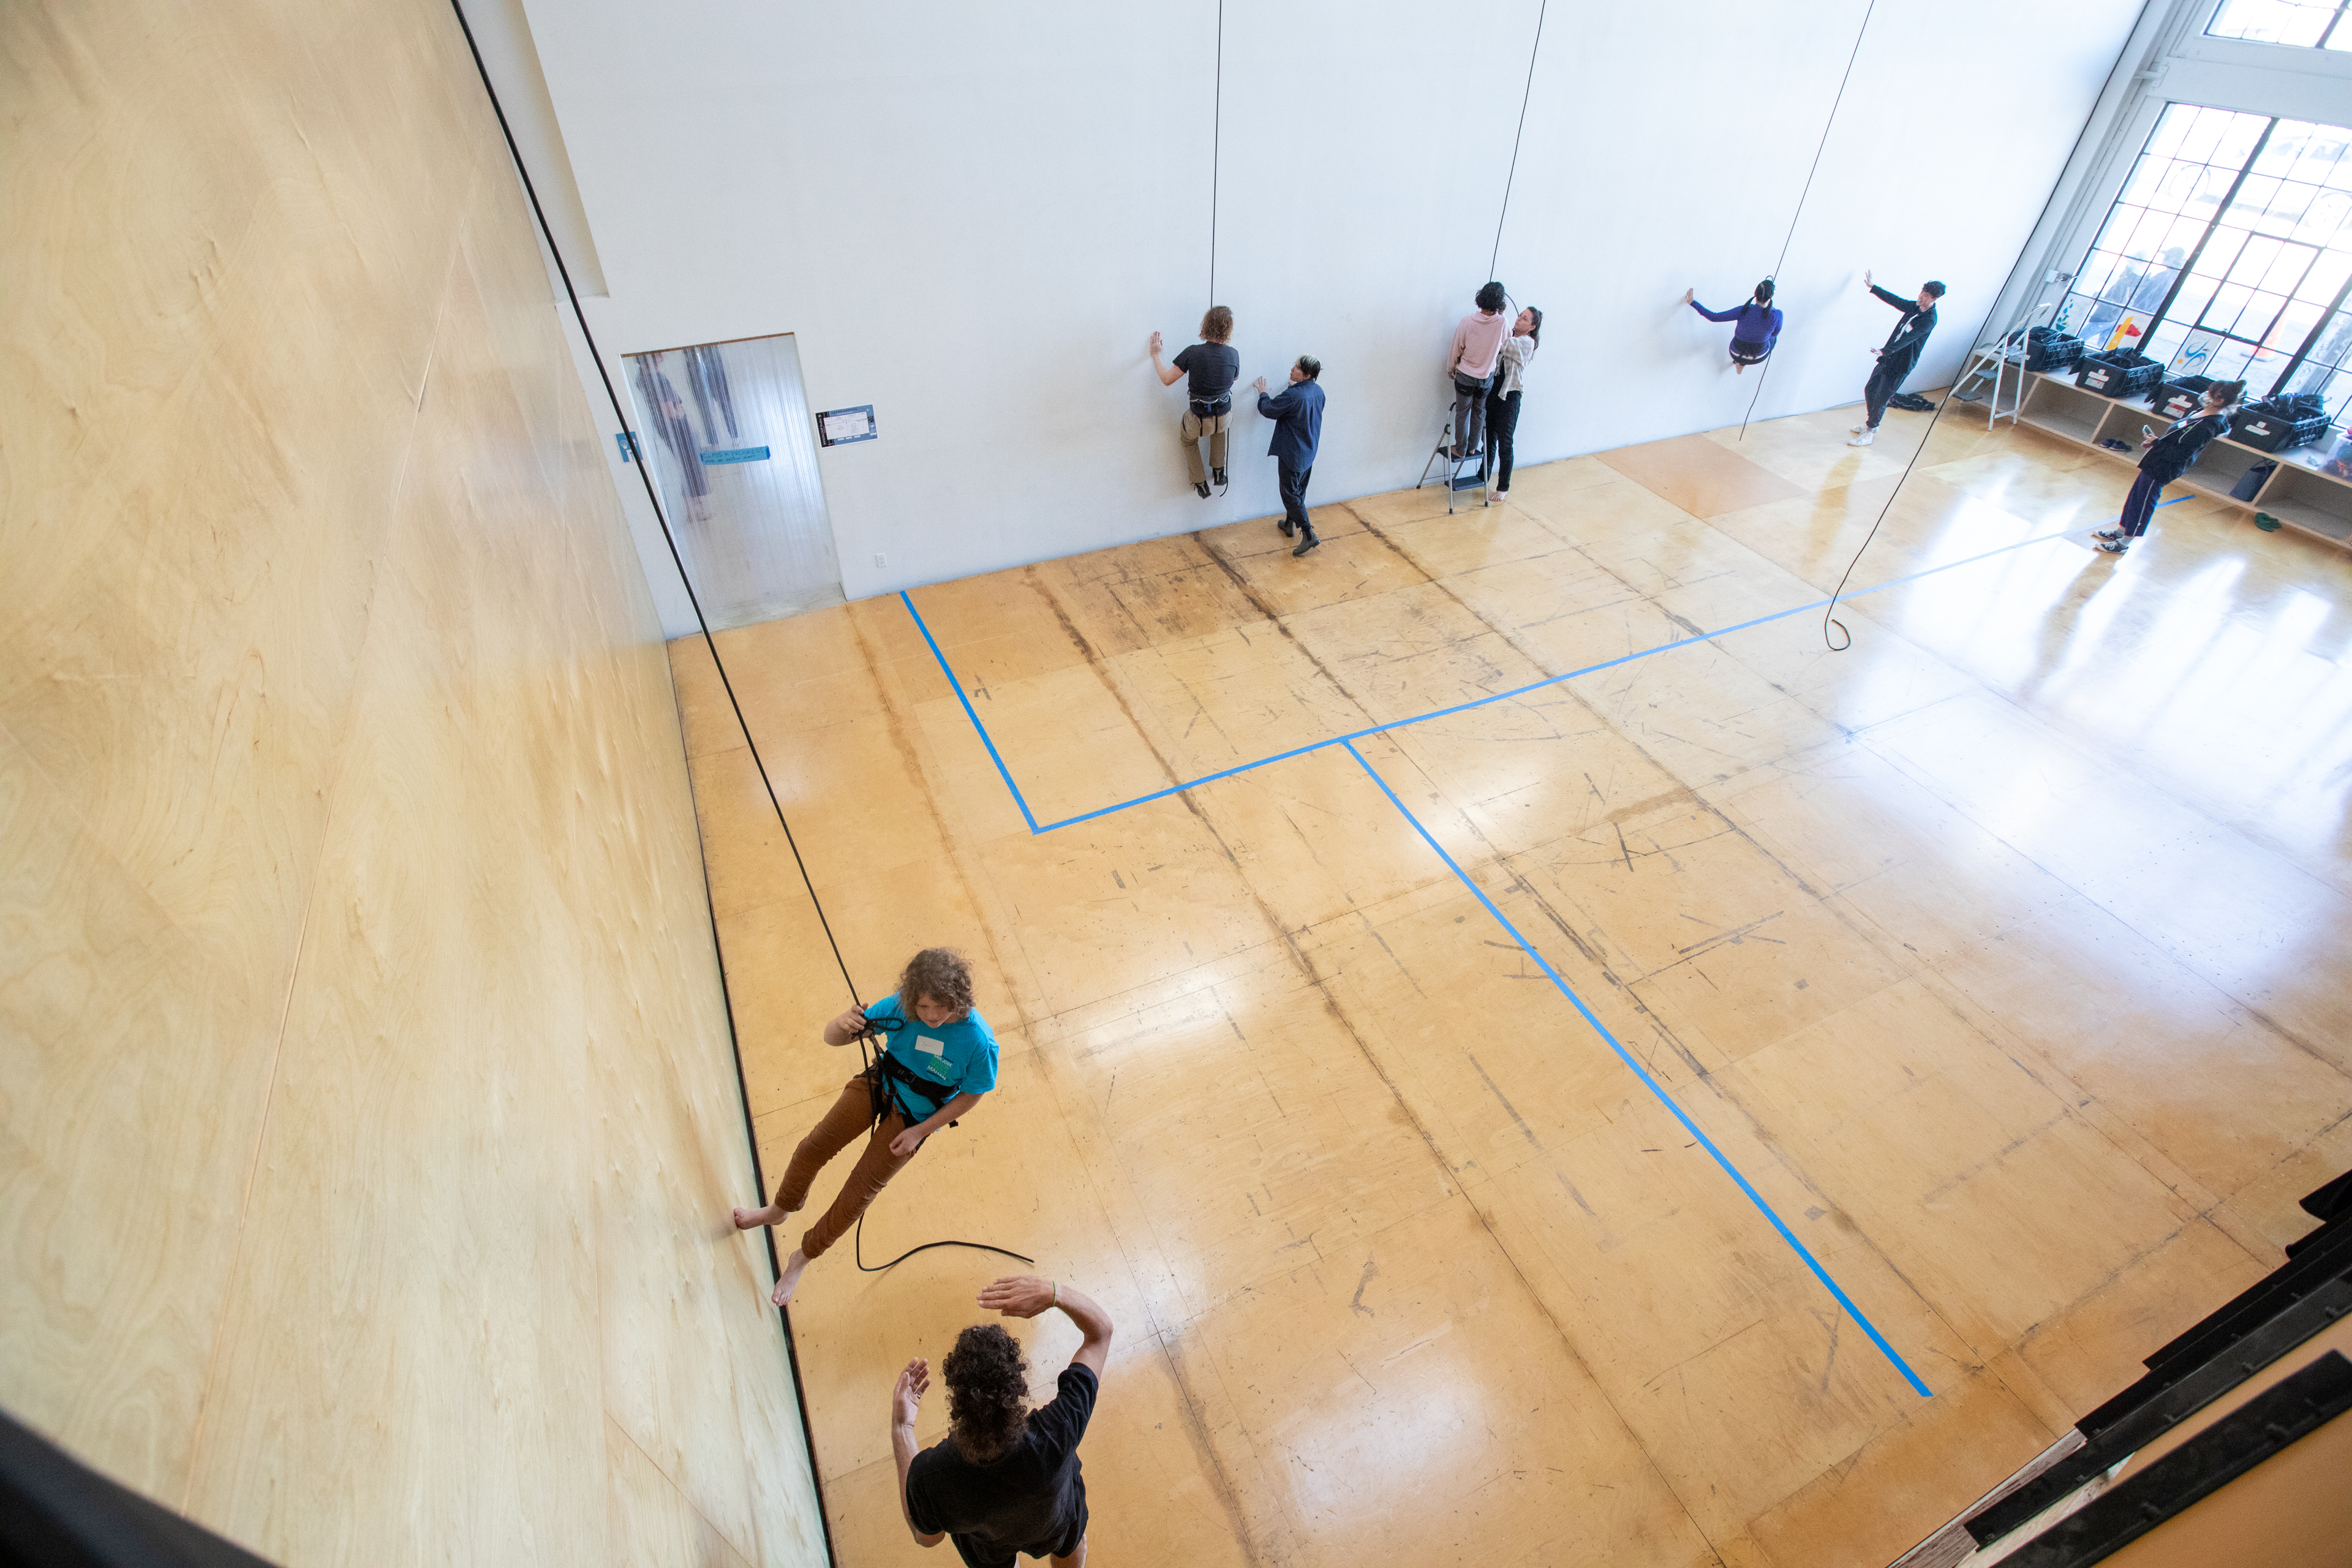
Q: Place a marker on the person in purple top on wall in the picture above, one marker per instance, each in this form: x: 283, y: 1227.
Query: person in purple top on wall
x: 1759, y: 327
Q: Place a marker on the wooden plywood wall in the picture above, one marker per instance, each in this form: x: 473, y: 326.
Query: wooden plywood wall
x: 367, y: 1123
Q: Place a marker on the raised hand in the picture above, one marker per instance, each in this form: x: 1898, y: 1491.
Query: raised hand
x: 904, y: 1399
x: 1018, y: 1296
x: 1689, y: 296
x: 1155, y: 342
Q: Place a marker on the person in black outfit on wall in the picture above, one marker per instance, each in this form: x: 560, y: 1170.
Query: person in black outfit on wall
x: 2167, y: 458
x: 1005, y: 1481
x: 1899, y: 356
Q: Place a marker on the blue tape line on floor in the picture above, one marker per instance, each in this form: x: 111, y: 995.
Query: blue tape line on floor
x: 968, y: 712
x: 1650, y: 1083
x: 1456, y: 707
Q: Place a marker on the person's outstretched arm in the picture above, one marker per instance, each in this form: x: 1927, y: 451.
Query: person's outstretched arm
x: 1278, y: 404
x: 910, y: 1141
x: 903, y: 1400
x: 1168, y: 373
x: 1897, y: 301
x: 1025, y: 1296
x: 1690, y: 298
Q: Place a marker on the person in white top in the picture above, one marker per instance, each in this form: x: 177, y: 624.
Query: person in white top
x: 1503, y: 400
x: 1478, y: 344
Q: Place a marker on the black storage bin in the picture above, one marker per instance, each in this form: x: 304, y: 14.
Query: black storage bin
x: 2280, y: 423
x: 2049, y: 349
x: 2179, y: 399
x: 2119, y: 373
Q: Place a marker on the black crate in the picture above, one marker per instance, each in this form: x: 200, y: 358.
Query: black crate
x: 2266, y: 431
x: 2120, y: 372
x: 2049, y: 350
x: 2179, y: 399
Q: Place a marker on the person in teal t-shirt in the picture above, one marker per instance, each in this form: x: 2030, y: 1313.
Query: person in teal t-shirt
x: 938, y: 1057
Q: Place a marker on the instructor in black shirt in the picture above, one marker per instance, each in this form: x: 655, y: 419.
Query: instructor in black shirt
x: 1005, y: 1479
x: 1899, y: 356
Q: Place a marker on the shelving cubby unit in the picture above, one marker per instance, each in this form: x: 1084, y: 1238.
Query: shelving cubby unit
x: 2300, y: 493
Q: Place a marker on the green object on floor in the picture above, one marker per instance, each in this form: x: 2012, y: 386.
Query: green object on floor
x: 2266, y: 522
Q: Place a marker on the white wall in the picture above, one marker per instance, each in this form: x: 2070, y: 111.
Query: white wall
x: 972, y: 217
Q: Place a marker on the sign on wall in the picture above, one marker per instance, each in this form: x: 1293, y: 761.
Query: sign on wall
x: 838, y: 426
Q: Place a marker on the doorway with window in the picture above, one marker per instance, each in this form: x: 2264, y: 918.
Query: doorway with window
x: 724, y: 430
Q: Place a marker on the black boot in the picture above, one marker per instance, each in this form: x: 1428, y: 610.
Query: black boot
x: 1285, y: 526
x: 1309, y: 541
x: 1218, y: 475
x: 1201, y: 488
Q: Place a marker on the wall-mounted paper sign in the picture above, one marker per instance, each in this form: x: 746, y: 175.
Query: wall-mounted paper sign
x: 736, y: 455
x: 836, y: 426
x: 622, y: 437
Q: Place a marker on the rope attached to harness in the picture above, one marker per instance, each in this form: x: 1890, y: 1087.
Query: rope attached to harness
x: 1773, y: 277
x: 881, y: 1069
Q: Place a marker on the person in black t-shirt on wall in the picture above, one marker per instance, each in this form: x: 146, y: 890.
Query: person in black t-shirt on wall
x: 1208, y: 410
x: 1005, y: 1479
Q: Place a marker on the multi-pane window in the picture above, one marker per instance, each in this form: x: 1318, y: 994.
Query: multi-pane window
x: 2228, y: 255
x: 2302, y: 24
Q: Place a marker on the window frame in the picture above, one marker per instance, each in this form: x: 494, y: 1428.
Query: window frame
x: 2328, y: 313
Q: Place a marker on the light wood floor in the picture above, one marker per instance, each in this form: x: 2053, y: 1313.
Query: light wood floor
x: 1574, y: 1128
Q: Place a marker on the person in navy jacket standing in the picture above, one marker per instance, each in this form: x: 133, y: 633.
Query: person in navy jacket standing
x: 1297, y: 414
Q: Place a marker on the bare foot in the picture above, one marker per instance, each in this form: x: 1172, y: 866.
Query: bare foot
x: 753, y: 1219
x: 792, y: 1280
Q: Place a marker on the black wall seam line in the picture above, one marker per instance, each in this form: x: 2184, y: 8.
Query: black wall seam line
x: 1790, y: 237
x: 791, y: 1352
x: 1525, y: 96
x: 759, y: 1180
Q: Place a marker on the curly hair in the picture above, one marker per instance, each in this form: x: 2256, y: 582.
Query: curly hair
x: 988, y: 1392
x: 939, y: 973
x: 1218, y: 324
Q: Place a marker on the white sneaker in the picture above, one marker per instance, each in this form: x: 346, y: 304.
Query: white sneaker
x: 1857, y: 429
x: 1863, y: 436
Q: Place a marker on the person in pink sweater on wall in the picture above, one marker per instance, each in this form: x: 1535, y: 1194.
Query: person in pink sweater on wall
x: 1478, y: 343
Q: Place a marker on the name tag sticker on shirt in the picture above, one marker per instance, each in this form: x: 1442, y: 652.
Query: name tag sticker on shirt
x: 935, y: 1047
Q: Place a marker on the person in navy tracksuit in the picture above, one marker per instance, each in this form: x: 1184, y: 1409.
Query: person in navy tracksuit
x: 2168, y: 457
x: 1297, y: 414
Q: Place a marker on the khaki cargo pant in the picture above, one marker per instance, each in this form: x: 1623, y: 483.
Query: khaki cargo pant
x: 1215, y: 428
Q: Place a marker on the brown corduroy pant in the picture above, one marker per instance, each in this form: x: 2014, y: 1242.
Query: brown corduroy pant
x: 836, y: 1131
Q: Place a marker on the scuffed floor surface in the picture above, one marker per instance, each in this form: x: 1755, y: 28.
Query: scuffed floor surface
x: 1966, y: 1010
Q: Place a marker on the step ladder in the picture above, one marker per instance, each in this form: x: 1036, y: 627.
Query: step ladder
x: 1450, y: 468
x: 1999, y: 365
